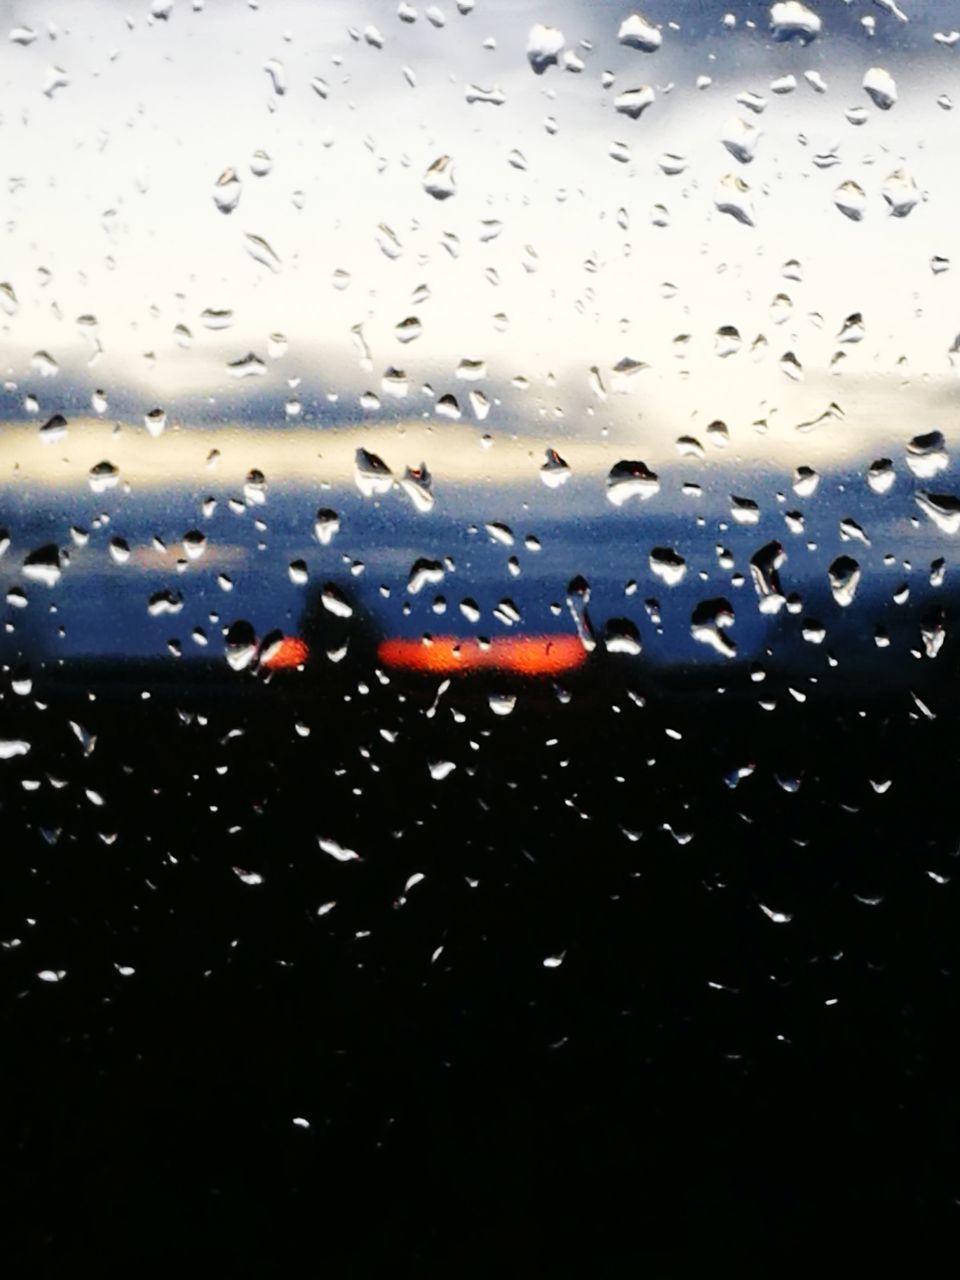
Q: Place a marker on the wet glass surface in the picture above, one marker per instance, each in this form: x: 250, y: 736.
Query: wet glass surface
x: 478, y: 532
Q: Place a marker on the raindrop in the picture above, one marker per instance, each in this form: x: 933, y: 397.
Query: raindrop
x: 880, y: 87
x: 636, y: 33
x: 851, y: 200
x: 156, y: 422
x: 44, y: 565
x: 668, y: 565
x: 733, y: 197
x: 844, y: 576
x: 927, y: 455
x: 793, y: 21
x: 744, y: 510
x: 741, y: 139
x: 633, y: 102
x: 260, y: 164
x: 373, y: 477
x: 103, y: 476
x: 227, y: 191
x: 248, y: 366
x: 408, y: 330
x: 54, y: 429
x: 764, y: 570
x: 727, y: 341
x: 417, y: 485
x: 326, y: 526
x: 555, y: 471
x: 335, y: 602
x: 262, y: 252
x: 278, y: 75
x: 708, y: 622
x: 900, y: 192
x: 439, y: 181
x: 631, y: 480
x: 942, y: 508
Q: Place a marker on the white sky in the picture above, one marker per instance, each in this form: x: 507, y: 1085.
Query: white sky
x: 108, y: 186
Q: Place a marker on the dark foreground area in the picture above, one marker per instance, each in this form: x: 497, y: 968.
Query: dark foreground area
x: 629, y: 1013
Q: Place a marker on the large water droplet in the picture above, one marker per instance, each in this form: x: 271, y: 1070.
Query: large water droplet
x: 227, y: 192
x: 900, y: 192
x: 880, y: 87
x: 636, y: 33
x: 793, y: 21
x: 733, y: 197
x: 373, y: 477
x: 44, y: 565
x: 555, y: 471
x: 741, y: 139
x: 633, y: 102
x: 631, y: 480
x: 708, y: 622
x: 942, y: 508
x: 262, y: 252
x: 668, y: 565
x: 851, y: 200
x: 844, y: 576
x: 439, y: 180
x: 927, y: 455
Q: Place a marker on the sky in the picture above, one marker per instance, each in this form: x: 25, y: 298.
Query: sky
x: 565, y: 247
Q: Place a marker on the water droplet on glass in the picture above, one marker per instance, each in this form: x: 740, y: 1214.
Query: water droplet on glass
x: 44, y: 565
x: 793, y: 21
x: 900, y: 192
x: 156, y: 422
x: 54, y: 429
x: 633, y: 102
x: 439, y: 180
x: 708, y: 622
x: 262, y: 252
x: 194, y: 544
x: 44, y: 364
x: 880, y: 87
x: 881, y: 475
x: 733, y: 197
x: 765, y: 565
x: 408, y: 329
x: 927, y: 455
x: 744, y: 510
x: 260, y: 164
x: 372, y: 475
x: 668, y: 565
x: 851, y: 200
x: 278, y: 75
x: 248, y: 366
x: 555, y: 471
x: 942, y: 508
x: 227, y: 191
x: 326, y: 526
x: 853, y: 329
x: 844, y: 576
x: 727, y: 341
x: 741, y: 139
x: 636, y: 33
x: 417, y: 484
x: 103, y: 476
x: 631, y: 480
